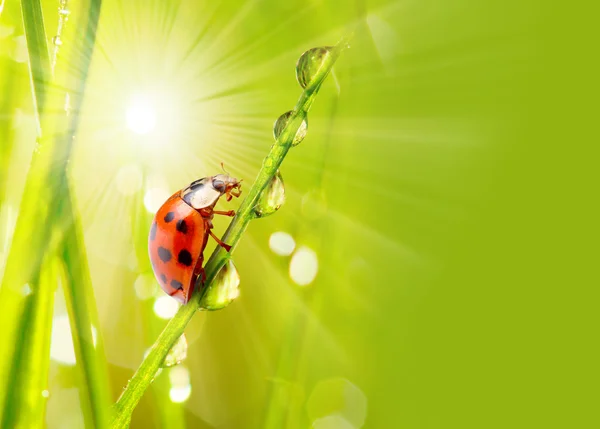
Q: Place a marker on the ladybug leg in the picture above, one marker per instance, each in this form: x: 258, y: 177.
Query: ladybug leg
x: 218, y: 240
x: 227, y: 213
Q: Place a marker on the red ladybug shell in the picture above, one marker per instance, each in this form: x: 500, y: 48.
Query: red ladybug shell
x: 176, y: 243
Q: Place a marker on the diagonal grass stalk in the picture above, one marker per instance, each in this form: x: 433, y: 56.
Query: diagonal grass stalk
x: 79, y: 295
x: 31, y: 232
x: 38, y: 227
x: 154, y: 359
x: 25, y: 405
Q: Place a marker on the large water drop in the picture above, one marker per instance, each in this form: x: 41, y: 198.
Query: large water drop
x: 226, y: 288
x: 310, y: 65
x: 282, y: 121
x: 272, y: 197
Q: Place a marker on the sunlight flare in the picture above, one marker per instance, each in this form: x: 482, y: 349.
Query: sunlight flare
x: 141, y: 116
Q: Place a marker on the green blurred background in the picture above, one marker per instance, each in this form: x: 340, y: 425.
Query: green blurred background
x: 425, y: 191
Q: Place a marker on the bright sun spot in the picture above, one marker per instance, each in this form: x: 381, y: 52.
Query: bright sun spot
x: 304, y: 266
x: 165, y: 307
x: 180, y: 384
x: 141, y: 116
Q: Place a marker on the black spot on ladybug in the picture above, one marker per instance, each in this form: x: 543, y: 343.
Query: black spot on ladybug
x: 163, y: 278
x: 176, y: 284
x: 164, y: 254
x: 153, y: 231
x: 185, y: 258
x: 181, y: 226
x: 169, y: 217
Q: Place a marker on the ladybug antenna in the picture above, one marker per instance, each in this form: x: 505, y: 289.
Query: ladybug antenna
x: 225, y: 171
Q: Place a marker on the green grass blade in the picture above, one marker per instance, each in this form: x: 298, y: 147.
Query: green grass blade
x: 39, y: 58
x: 26, y: 404
x: 41, y: 226
x: 32, y: 230
x: 94, y: 387
x: 77, y: 284
x: 153, y: 361
x: 10, y: 89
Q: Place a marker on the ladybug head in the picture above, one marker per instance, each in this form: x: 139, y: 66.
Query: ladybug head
x: 228, y: 186
x: 205, y: 192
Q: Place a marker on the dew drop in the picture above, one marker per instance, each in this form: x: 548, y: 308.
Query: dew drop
x: 178, y: 352
x: 310, y: 64
x: 56, y: 40
x: 226, y: 288
x: 282, y: 121
x: 272, y: 197
x: 45, y: 393
x: 26, y: 290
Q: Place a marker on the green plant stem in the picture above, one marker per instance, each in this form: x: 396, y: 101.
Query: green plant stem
x: 155, y: 357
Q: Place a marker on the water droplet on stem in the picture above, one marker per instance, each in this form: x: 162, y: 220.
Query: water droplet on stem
x: 226, y: 288
x: 282, y: 121
x: 272, y: 197
x: 310, y: 64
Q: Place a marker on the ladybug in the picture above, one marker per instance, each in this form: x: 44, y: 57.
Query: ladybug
x: 180, y: 231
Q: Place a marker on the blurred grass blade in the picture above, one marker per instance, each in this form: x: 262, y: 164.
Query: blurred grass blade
x: 9, y: 92
x: 32, y: 229
x: 40, y: 219
x: 39, y: 58
x: 26, y: 403
x: 174, y: 329
x: 79, y: 296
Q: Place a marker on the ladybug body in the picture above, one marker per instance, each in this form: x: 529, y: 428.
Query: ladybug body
x: 180, y: 231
